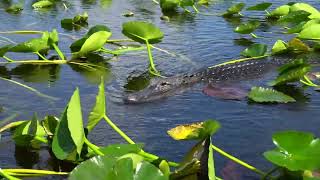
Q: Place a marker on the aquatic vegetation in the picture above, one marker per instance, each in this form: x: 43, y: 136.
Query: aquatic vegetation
x: 78, y: 21
x: 264, y: 95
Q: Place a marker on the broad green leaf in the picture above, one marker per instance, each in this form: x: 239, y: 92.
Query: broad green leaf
x: 164, y: 167
x: 122, y: 169
x: 99, y: 109
x: 169, y: 5
x: 297, y: 28
x: 279, y: 47
x: 49, y: 124
x: 33, y: 45
x: 291, y: 72
x: 311, y: 32
x: 314, y: 13
x: 235, y: 9
x: 295, y: 150
x: 260, y: 7
x: 95, y: 42
x: 186, y: 3
x: 25, y: 134
x: 247, y: 28
x: 80, y: 18
x: 198, y: 130
x: 142, y: 31
x: 146, y: 170
x: 76, y: 46
x: 297, y: 45
x: 117, y: 150
x: 69, y: 134
x: 53, y: 37
x: 97, y: 28
x: 295, y: 17
x: 42, y: 4
x: 195, y: 162
x: 280, y: 11
x: 15, y: 8
x: 4, y: 50
x: 255, y: 50
x: 267, y: 95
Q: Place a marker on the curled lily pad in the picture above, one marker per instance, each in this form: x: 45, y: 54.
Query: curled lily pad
x: 235, y: 9
x: 296, y: 44
x: 267, y: 95
x: 142, y: 31
x: 247, y: 28
x: 280, y: 11
x: 314, y: 13
x: 260, y: 7
x: 42, y: 4
x: 198, y: 130
x: 255, y: 50
x: 311, y: 32
x: 279, y: 47
x: 295, y: 151
x: 169, y: 5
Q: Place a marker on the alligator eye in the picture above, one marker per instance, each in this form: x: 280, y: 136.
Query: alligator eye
x: 164, y: 84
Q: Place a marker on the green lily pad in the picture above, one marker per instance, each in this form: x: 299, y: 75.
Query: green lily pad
x: 310, y: 32
x: 247, y: 28
x: 15, y: 8
x: 291, y: 72
x: 295, y: 151
x: 267, y: 95
x: 279, y: 47
x: 99, y: 109
x: 314, y: 13
x: 186, y: 3
x: 295, y: 17
x: 142, y: 32
x: 26, y: 133
x: 4, y: 50
x: 42, y: 4
x: 33, y: 45
x: 169, y: 5
x: 296, y: 44
x: 69, y: 135
x: 260, y: 7
x: 235, y: 9
x: 255, y: 50
x: 97, y: 28
x: 198, y: 130
x: 280, y: 11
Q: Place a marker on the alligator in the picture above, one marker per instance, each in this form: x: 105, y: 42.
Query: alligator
x: 235, y: 71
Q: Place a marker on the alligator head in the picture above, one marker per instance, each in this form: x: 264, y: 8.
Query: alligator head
x: 160, y: 88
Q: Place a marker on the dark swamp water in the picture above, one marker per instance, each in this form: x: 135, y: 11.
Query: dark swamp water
x: 197, y: 40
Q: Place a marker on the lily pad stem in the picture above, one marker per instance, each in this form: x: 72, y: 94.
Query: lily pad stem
x: 130, y: 141
x: 33, y: 171
x: 7, y: 59
x: 195, y: 9
x: 40, y: 55
x: 308, y: 82
x: 229, y: 156
x: 41, y: 139
x: 56, y: 48
x: 93, y: 147
x: 253, y: 35
x: 152, y: 66
x: 5, y: 175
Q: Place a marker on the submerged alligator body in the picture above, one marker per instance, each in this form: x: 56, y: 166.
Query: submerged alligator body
x: 164, y: 87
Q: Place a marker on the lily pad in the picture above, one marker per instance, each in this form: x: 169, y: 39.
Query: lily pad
x: 169, y: 5
x: 314, y: 13
x: 280, y: 11
x: 267, y: 95
x: 295, y: 17
x: 235, y: 9
x: 198, y: 130
x: 247, y: 28
x: 295, y: 151
x: 255, y: 50
x: 311, y: 32
x: 4, y: 50
x: 260, y: 7
x: 33, y: 45
x: 42, y: 4
x: 297, y: 45
x: 279, y: 47
x: 142, y: 31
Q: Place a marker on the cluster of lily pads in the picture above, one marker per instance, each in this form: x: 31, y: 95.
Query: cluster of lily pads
x: 296, y: 154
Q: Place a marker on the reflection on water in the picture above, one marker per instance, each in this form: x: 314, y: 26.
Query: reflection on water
x: 194, y: 40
